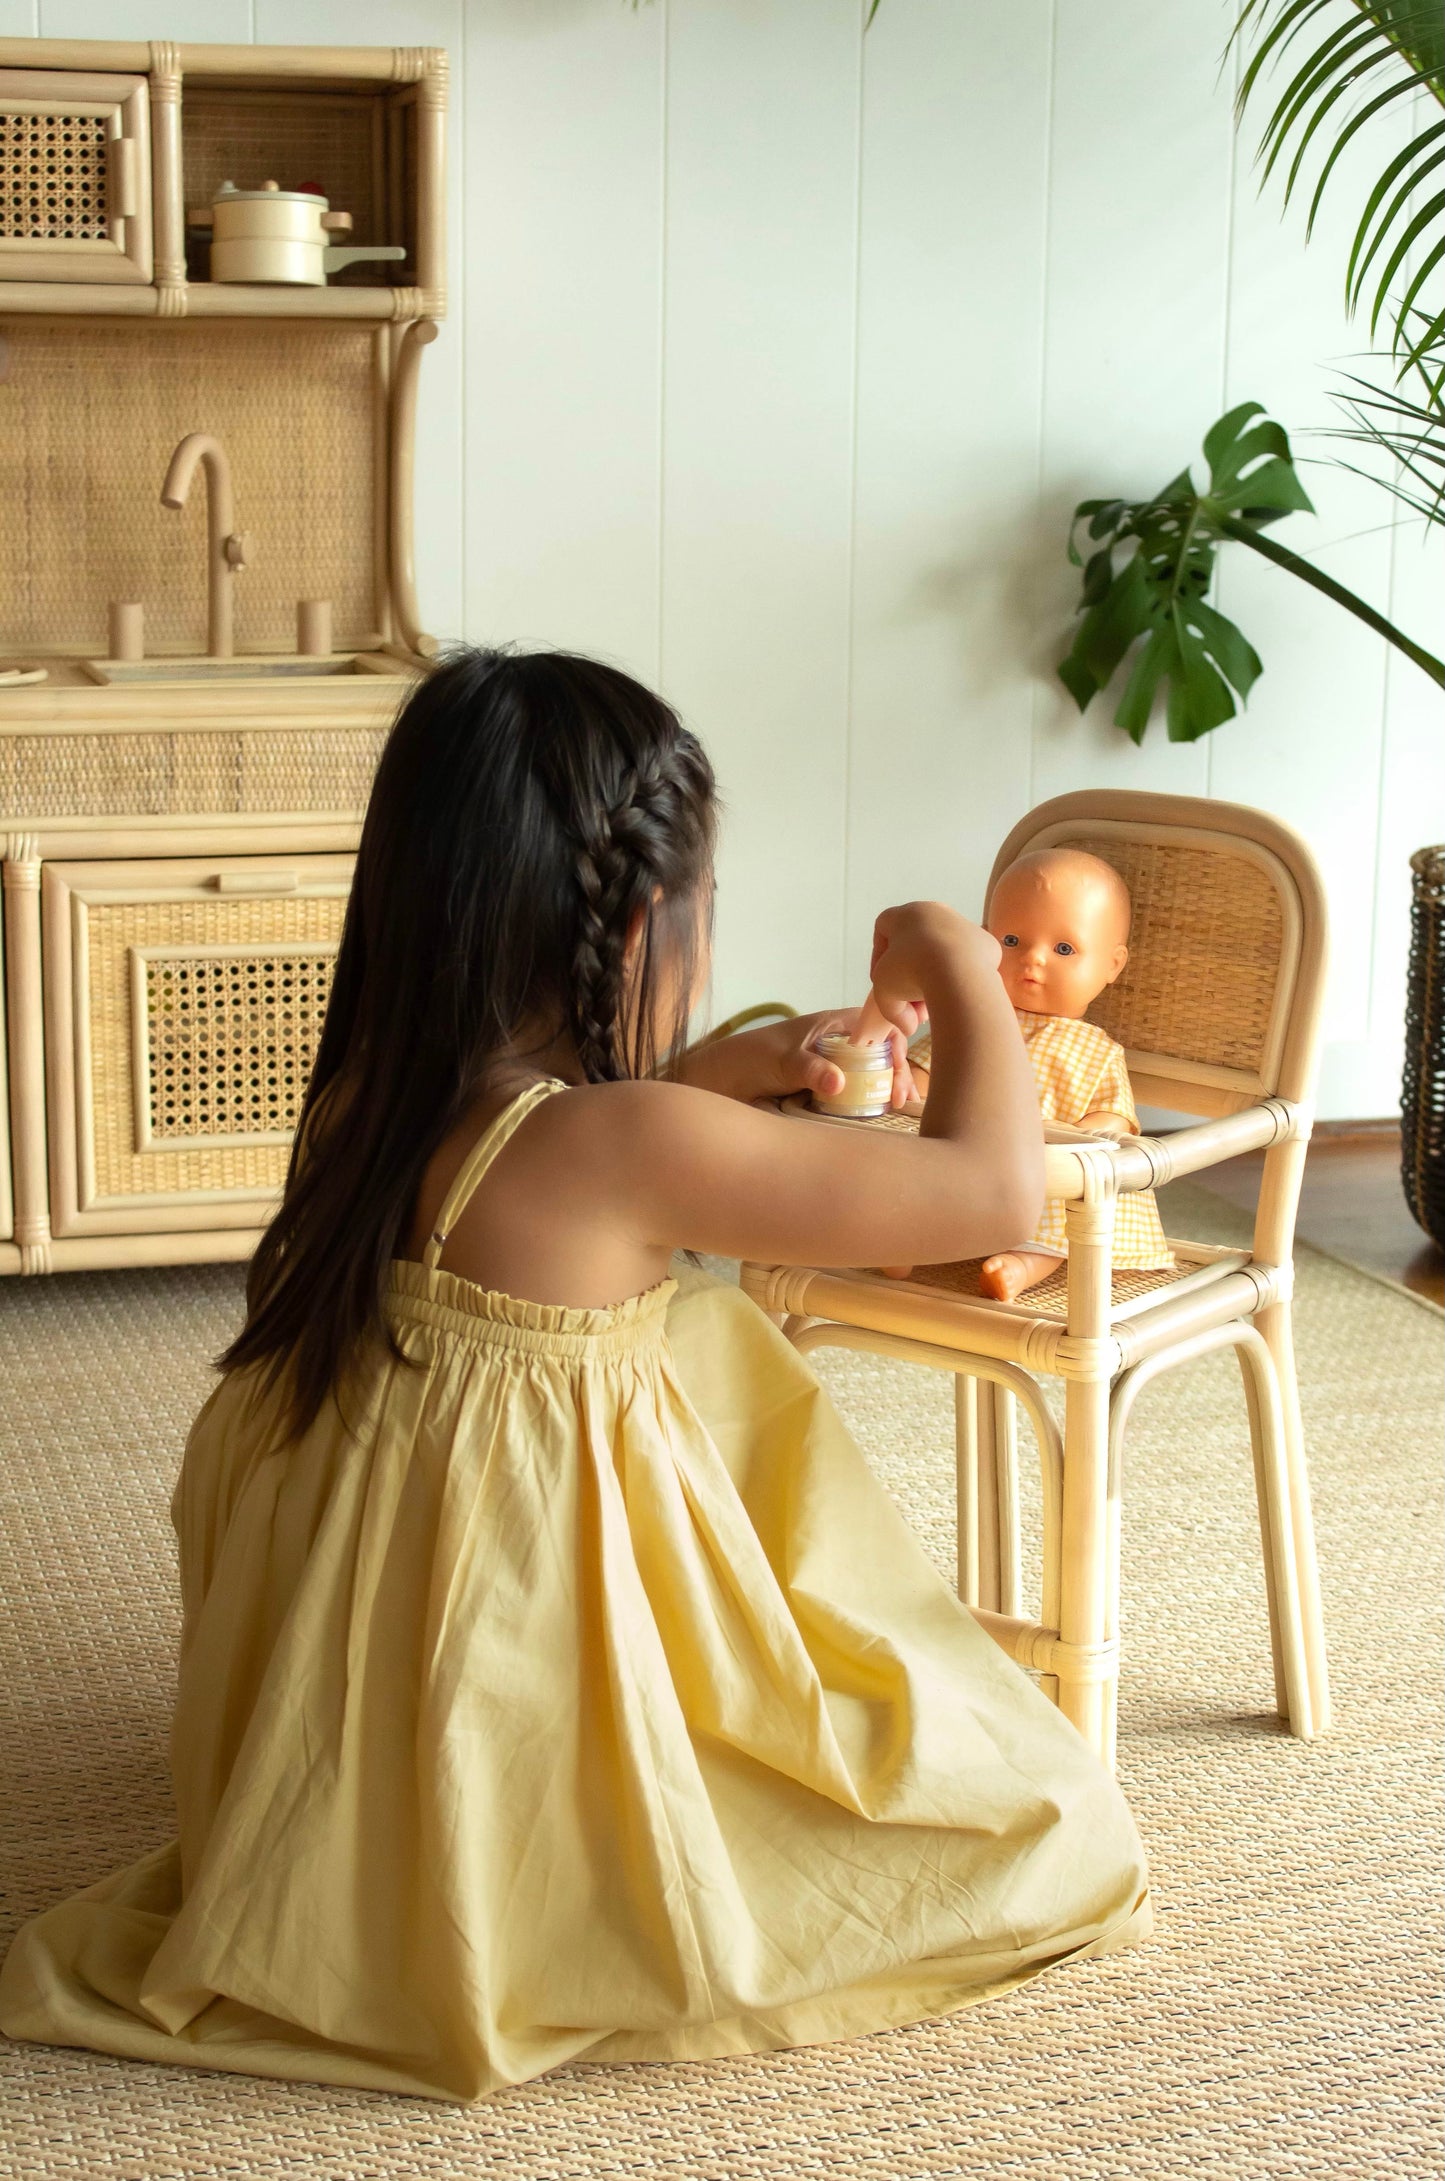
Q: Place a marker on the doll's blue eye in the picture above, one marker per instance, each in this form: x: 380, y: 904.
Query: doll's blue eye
x: 1063, y: 947
x: 1010, y: 938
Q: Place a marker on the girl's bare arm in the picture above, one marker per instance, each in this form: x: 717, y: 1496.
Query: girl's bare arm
x: 689, y: 1170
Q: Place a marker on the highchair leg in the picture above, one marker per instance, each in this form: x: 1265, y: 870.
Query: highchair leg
x: 1276, y: 1323
x: 1279, y: 1523
x: 985, y: 1440
x: 977, y: 1504
x: 1006, y: 1470
x: 1272, y: 1485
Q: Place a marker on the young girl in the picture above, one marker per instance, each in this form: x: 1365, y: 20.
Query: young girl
x: 556, y: 1680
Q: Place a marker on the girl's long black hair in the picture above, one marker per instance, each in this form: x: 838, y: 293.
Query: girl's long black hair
x: 526, y: 808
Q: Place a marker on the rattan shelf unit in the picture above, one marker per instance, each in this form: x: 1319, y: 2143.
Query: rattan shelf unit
x: 104, y: 145
x: 177, y: 829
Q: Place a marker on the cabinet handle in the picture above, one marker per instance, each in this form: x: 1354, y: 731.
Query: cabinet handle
x: 124, y: 178
x: 256, y: 882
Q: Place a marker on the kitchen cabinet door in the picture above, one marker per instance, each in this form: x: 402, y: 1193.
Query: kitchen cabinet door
x: 183, y: 1007
x: 75, y: 176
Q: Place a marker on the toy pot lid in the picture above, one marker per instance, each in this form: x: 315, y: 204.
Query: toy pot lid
x: 268, y: 193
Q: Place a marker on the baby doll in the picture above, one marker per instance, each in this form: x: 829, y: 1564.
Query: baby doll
x: 1062, y: 920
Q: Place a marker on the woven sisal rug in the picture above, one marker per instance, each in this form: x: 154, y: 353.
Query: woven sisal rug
x: 1283, y: 2021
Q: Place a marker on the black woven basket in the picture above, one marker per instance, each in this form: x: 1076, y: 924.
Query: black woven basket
x: 1422, y: 1096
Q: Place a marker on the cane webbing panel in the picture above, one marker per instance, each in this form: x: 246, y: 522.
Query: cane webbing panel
x: 303, y: 140
x: 53, y: 177
x: 1204, y: 953
x: 155, y: 774
x: 210, y: 1035
x: 87, y: 429
x: 231, y: 1037
x: 1050, y: 1299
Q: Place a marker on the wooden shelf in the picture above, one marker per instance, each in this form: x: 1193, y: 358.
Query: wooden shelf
x: 363, y: 124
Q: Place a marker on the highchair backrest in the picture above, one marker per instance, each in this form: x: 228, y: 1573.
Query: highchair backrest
x: 1219, y: 1003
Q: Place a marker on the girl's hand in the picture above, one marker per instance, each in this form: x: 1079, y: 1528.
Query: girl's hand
x: 910, y: 945
x: 864, y: 1025
x: 780, y: 1058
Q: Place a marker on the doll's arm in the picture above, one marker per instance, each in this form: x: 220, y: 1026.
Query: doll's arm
x: 1104, y: 1122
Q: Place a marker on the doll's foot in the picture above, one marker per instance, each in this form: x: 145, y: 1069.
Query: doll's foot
x: 896, y: 1272
x: 1007, y: 1275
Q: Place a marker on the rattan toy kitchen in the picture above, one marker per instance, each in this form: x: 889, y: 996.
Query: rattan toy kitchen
x: 219, y: 267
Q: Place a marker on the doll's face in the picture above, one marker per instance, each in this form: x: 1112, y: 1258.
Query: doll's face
x: 1061, y: 919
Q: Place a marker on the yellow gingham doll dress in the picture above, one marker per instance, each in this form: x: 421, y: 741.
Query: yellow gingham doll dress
x: 1080, y: 1069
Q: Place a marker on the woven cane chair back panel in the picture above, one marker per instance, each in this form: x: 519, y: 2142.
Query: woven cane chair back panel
x: 330, y: 143
x: 66, y: 211
x: 199, y: 772
x: 1213, y: 952
x: 86, y: 432
x: 191, y: 1031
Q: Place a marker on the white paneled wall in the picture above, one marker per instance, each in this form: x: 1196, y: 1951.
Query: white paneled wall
x: 779, y: 355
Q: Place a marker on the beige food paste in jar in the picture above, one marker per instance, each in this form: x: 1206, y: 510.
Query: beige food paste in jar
x: 868, y: 1079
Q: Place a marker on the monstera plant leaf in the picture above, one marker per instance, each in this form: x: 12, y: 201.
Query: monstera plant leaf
x: 1147, y: 579
x: 1148, y: 573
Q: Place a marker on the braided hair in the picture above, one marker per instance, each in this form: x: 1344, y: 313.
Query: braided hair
x: 627, y: 848
x: 536, y: 861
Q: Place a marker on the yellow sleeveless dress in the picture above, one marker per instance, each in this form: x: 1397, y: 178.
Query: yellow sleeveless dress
x: 587, y: 1698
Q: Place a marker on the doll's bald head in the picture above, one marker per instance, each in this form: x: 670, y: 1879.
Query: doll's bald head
x: 1062, y: 918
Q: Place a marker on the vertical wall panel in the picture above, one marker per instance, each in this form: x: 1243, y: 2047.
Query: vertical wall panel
x: 757, y: 456
x: 947, y: 449
x: 212, y: 21
x: 1134, y: 333
x: 1308, y: 748
x: 19, y: 18
x: 563, y: 261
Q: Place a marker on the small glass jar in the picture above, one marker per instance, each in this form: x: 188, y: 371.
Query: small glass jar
x: 867, y: 1079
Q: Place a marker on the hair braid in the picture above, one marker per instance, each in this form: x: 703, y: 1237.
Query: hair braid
x: 619, y: 854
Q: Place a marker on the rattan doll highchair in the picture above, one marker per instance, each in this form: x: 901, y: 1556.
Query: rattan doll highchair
x: 1218, y: 1012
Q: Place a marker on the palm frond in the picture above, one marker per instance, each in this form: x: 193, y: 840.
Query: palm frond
x: 1404, y: 424
x: 1361, y: 57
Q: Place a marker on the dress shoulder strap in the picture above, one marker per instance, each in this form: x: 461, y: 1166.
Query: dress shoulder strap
x: 479, y: 1158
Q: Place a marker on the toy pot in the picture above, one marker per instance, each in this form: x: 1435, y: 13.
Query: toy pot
x: 280, y: 237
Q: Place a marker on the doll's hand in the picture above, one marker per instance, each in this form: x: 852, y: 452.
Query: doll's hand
x: 1104, y: 1123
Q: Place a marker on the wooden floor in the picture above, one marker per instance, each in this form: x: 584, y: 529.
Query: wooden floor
x: 1351, y: 1202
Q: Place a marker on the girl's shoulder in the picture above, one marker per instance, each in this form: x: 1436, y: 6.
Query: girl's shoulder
x: 554, y: 1209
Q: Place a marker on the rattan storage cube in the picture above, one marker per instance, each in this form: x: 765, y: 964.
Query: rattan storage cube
x: 335, y: 143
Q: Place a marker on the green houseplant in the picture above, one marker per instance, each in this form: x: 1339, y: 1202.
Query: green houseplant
x: 1345, y: 64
